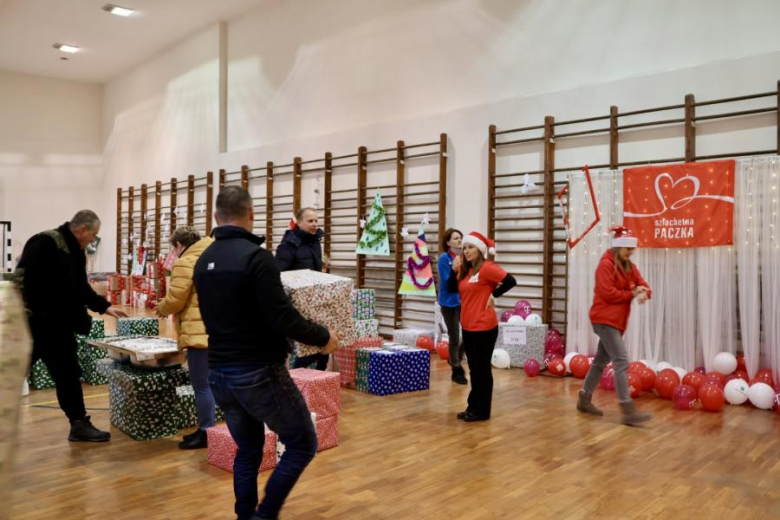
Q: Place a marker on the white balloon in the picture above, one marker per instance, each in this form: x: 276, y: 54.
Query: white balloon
x: 736, y: 391
x: 567, y: 361
x: 500, y: 358
x: 762, y: 396
x: 648, y: 364
x: 662, y: 365
x: 533, y: 319
x: 725, y: 363
x: 515, y: 320
x: 680, y: 372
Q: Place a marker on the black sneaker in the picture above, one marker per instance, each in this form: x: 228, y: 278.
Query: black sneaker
x: 197, y: 441
x: 459, y: 376
x: 189, y: 436
x: 462, y: 415
x: 83, y: 431
x: 472, y: 417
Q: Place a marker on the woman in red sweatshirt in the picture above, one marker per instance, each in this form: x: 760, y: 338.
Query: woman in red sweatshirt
x: 618, y: 283
x: 479, y: 282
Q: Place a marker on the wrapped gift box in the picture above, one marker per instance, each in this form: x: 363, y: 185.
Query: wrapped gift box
x: 39, y: 376
x: 363, y: 304
x: 321, y: 390
x: 222, y: 449
x: 137, y: 327
x: 187, y: 410
x: 89, y: 356
x: 144, y: 403
x: 409, y: 337
x: 322, y: 298
x: 327, y: 432
x: 362, y: 365
x: 116, y: 283
x: 385, y: 372
x: 416, y: 371
x: 346, y: 358
x: 519, y: 350
x: 366, y: 328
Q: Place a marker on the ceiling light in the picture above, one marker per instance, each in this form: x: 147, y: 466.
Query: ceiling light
x: 117, y: 10
x: 66, y: 48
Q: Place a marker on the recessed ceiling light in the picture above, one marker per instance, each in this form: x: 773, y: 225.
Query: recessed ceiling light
x: 117, y: 10
x: 66, y: 48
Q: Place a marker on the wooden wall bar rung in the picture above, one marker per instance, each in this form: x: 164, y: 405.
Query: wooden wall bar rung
x: 524, y: 129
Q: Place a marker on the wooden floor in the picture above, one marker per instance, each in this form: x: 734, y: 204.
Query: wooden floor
x: 407, y: 457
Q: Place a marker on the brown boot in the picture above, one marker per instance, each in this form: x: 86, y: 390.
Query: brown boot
x: 585, y: 406
x: 631, y: 416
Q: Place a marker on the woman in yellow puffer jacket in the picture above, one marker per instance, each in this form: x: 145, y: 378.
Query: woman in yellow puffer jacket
x: 181, y: 300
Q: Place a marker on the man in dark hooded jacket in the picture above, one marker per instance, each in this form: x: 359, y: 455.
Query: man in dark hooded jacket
x: 52, y: 276
x: 300, y: 248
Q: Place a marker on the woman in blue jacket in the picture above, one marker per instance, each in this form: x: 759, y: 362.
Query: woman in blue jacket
x: 450, y: 302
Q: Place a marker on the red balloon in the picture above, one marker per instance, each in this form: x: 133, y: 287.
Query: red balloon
x: 648, y: 379
x: 443, y: 349
x: 531, y: 367
x: 700, y: 370
x: 764, y: 376
x: 579, y: 366
x: 684, y: 397
x: 737, y: 374
x: 715, y: 378
x: 670, y: 371
x: 607, y: 379
x: 634, y: 384
x: 636, y: 367
x: 741, y: 362
x: 556, y: 366
x: 425, y: 342
x: 694, y: 379
x: 711, y: 397
x: 506, y: 315
x: 665, y: 383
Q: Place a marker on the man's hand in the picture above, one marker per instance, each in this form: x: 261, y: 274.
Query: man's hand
x: 116, y: 313
x: 333, y: 342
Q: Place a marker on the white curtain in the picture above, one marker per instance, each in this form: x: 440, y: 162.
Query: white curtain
x: 696, y: 292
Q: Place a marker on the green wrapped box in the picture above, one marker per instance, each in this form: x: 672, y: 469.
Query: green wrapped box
x: 186, y: 413
x: 144, y: 403
x: 138, y: 327
x: 39, y: 377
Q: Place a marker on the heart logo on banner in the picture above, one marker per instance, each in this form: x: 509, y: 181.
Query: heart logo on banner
x: 681, y: 203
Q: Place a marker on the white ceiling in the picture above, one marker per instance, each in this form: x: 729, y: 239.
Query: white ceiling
x: 111, y: 45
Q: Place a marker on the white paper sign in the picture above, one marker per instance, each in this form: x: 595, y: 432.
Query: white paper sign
x: 515, y: 336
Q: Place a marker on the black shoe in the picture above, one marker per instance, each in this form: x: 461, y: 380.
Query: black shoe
x: 471, y: 417
x: 83, y: 431
x: 196, y: 442
x: 459, y: 376
x: 462, y: 415
x: 189, y: 436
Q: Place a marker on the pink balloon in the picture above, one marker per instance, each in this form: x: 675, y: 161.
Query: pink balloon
x: 531, y: 367
x: 700, y: 370
x: 506, y: 315
x: 523, y: 308
x: 684, y: 397
x: 608, y: 379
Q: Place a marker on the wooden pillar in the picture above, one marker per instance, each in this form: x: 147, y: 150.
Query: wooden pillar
x: 144, y: 209
x: 245, y: 177
x: 119, y: 237
x: 443, y: 158
x: 190, y: 200
x: 209, y: 201
x: 174, y: 188
x: 362, y: 175
x: 269, y: 204
x: 491, y: 203
x: 157, y: 201
x: 690, y: 128
x: 222, y: 178
x: 613, y: 137
x: 549, y: 215
x: 130, y: 204
x: 327, y: 202
x: 297, y: 177
x: 400, y: 177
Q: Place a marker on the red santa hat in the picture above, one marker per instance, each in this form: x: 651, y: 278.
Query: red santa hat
x: 481, y: 242
x: 623, y: 237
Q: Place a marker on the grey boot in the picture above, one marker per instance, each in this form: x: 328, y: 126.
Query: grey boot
x: 585, y: 406
x: 631, y: 416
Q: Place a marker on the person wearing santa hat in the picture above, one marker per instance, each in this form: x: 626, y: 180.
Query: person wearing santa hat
x: 479, y: 282
x: 618, y: 283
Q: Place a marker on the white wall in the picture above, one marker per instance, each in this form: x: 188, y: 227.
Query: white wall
x: 309, y: 77
x: 50, y: 153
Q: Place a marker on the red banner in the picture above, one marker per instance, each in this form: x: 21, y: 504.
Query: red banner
x: 680, y: 205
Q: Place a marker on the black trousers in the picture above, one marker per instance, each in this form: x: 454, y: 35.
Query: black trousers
x: 58, y: 351
x: 305, y: 361
x: 479, y: 347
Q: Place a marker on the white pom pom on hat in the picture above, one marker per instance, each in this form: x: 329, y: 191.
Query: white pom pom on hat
x: 623, y: 237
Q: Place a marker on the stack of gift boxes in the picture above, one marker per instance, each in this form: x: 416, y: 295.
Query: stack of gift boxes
x: 521, y: 342
x: 392, y: 369
x: 320, y: 390
x: 138, y: 290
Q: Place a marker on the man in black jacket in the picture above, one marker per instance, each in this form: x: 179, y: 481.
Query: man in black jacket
x: 52, y: 276
x: 248, y: 317
x: 300, y: 247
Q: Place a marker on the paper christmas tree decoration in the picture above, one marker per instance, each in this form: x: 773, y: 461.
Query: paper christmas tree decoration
x: 418, y: 276
x: 374, y: 239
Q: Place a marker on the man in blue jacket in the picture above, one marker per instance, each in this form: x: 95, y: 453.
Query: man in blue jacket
x: 249, y: 317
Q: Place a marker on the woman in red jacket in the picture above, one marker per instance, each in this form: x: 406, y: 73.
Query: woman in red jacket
x: 479, y: 281
x: 618, y: 282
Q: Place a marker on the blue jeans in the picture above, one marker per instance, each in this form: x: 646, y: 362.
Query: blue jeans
x: 198, y: 361
x: 249, y: 399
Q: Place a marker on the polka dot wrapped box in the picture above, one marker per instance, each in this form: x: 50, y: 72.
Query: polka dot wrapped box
x: 323, y: 298
x: 346, y: 359
x: 137, y: 327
